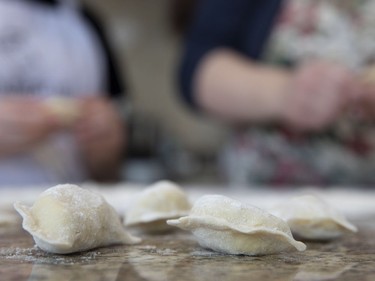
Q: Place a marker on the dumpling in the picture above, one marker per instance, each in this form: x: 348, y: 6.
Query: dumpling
x: 229, y: 226
x: 66, y: 219
x: 309, y: 217
x: 151, y: 208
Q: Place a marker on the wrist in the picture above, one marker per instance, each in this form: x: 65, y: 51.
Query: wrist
x: 279, y: 91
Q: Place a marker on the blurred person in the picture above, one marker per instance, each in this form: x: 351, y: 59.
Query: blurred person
x: 289, y: 76
x: 57, y: 77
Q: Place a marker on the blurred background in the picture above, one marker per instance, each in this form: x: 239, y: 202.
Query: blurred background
x: 167, y: 139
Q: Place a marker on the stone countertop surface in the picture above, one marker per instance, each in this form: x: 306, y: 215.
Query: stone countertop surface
x: 177, y: 256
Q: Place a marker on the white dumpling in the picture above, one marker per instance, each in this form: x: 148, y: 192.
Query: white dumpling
x: 150, y: 209
x: 309, y: 217
x: 229, y: 226
x: 66, y: 219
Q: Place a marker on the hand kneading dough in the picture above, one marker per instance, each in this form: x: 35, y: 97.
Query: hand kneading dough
x: 65, y: 109
x: 311, y: 218
x: 151, y: 208
x: 229, y: 226
x: 66, y: 219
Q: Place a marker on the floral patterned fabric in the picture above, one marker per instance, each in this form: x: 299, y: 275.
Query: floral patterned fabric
x: 340, y: 30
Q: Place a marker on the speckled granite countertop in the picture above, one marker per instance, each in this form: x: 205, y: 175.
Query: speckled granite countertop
x: 178, y: 257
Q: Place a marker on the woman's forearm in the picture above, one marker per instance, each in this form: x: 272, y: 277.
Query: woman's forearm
x: 238, y: 90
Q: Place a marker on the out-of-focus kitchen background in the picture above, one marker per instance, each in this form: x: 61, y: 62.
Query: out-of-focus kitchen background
x: 167, y: 139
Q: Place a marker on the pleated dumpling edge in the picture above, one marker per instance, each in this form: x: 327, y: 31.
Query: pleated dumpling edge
x: 66, y: 219
x: 229, y: 226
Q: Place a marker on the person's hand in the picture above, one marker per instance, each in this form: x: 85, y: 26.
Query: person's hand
x: 319, y: 93
x: 24, y: 123
x: 100, y: 134
x: 366, y: 102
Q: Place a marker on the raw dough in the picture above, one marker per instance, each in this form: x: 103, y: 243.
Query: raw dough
x: 66, y: 219
x: 309, y: 217
x: 65, y: 109
x: 229, y: 226
x: 152, y: 207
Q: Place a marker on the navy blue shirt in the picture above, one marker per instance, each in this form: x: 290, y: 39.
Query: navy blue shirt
x: 242, y: 25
